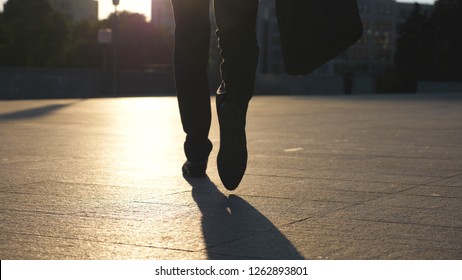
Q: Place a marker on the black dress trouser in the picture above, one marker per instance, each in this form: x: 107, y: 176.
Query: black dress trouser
x: 236, y: 31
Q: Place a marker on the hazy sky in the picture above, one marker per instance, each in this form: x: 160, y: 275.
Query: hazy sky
x: 144, y: 6
x: 106, y: 7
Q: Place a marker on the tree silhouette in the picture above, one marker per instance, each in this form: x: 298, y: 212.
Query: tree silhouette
x: 33, y: 34
x: 429, y: 48
x: 412, y: 59
x: 446, y: 29
x: 140, y: 44
x: 84, y: 50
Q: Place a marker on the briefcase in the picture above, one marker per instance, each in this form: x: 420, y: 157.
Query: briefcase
x: 314, y: 32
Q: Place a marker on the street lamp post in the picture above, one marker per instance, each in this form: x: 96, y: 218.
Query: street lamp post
x: 105, y: 39
x: 115, y: 42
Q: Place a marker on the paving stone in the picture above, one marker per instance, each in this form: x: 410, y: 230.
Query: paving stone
x: 403, y: 215
x: 283, y: 184
x: 34, y: 247
x: 327, y: 238
x: 338, y: 177
x: 445, y: 204
x: 453, y: 181
x: 436, y: 191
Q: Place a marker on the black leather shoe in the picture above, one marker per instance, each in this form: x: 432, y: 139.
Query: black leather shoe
x: 194, y: 169
x: 232, y: 156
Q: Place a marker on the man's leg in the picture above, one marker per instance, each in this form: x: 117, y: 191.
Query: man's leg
x: 236, y: 22
x: 191, y: 53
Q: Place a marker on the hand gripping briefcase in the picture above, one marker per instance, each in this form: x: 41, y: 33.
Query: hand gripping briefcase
x: 315, y: 31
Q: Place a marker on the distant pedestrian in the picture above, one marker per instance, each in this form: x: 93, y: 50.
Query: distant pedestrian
x: 236, y: 30
x: 348, y: 81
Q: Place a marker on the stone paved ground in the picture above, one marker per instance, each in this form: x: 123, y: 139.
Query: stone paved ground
x: 357, y: 177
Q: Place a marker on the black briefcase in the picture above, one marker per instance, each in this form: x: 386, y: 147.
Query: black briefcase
x: 315, y: 31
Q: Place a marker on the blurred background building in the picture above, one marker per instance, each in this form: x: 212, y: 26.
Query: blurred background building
x: 405, y: 47
x: 371, y: 55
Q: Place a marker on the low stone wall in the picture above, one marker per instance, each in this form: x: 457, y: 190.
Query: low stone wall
x: 38, y: 83
x: 439, y: 87
x: 312, y: 84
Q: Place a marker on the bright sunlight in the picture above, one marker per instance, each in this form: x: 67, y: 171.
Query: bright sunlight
x: 134, y: 6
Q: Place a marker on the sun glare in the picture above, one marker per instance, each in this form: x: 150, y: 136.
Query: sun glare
x: 134, y: 6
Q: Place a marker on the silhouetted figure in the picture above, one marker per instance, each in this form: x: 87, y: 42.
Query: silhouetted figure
x: 236, y: 30
x: 348, y: 81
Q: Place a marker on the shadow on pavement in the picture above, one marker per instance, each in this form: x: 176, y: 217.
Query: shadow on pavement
x: 34, y: 112
x: 234, y: 229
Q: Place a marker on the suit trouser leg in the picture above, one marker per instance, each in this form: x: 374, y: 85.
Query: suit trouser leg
x: 236, y: 31
x: 236, y: 23
x: 191, y: 53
